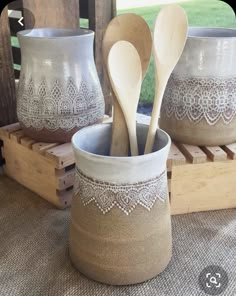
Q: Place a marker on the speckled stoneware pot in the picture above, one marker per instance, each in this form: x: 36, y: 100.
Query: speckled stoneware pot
x: 59, y: 90
x: 199, y: 105
x: 120, y: 229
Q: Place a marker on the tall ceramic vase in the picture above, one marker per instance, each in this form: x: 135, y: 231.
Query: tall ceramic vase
x: 120, y: 230
x: 59, y: 90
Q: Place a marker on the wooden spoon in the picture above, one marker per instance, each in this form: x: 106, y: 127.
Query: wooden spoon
x: 125, y: 73
x: 170, y: 34
x: 133, y: 28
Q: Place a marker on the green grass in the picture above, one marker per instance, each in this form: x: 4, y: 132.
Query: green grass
x: 208, y: 13
x: 14, y: 41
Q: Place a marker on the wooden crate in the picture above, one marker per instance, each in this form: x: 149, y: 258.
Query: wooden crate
x: 200, y: 179
x: 46, y: 169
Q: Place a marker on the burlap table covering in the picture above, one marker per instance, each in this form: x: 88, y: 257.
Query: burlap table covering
x: 34, y: 257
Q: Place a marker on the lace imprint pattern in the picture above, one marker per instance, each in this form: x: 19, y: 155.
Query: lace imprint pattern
x: 125, y: 196
x: 197, y: 99
x: 63, y: 106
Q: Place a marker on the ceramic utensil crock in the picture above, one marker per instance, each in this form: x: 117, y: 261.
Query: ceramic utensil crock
x: 59, y: 90
x: 199, y: 105
x: 120, y: 225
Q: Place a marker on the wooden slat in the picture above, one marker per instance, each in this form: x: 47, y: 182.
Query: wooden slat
x: 16, y: 55
x: 52, y: 13
x: 7, y: 79
x: 16, y: 136
x: 230, y: 150
x: 65, y: 181
x: 63, y: 171
x: 100, y: 14
x: 65, y: 197
x: 27, y: 142
x: 193, y: 153
x: 62, y: 155
x: 7, y: 130
x: 41, y: 147
x: 32, y: 170
x: 215, y: 153
x: 15, y: 5
x: 203, y: 187
x: 175, y: 157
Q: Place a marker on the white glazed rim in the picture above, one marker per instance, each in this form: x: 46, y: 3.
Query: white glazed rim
x: 211, y: 29
x: 121, y: 158
x: 54, y: 33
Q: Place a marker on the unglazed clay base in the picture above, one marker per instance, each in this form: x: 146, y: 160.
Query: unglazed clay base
x: 120, y: 230
x: 58, y: 136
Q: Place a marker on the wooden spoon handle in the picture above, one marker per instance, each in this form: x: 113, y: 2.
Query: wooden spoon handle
x: 133, y: 137
x: 120, y: 137
x: 159, y: 92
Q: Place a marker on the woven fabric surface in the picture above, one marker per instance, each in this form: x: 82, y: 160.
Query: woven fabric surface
x: 34, y: 257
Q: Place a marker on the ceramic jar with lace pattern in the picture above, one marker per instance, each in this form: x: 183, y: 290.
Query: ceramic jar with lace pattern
x: 199, y: 105
x: 120, y: 229
x: 59, y: 90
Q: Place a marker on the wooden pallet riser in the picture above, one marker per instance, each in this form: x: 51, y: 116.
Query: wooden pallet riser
x: 203, y: 187
x: 47, y: 172
x: 34, y: 172
x: 201, y: 178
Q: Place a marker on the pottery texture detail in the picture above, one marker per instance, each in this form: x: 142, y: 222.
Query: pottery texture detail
x: 63, y: 105
x: 59, y: 91
x: 125, y: 196
x: 197, y: 99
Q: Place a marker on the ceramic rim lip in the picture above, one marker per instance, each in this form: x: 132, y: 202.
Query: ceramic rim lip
x: 121, y: 158
x: 211, y: 29
x: 73, y: 33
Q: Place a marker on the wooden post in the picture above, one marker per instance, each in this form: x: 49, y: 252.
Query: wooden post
x: 100, y: 14
x: 52, y: 13
x: 7, y: 79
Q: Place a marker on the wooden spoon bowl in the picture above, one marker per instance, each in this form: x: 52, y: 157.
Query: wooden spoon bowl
x: 132, y: 28
x: 125, y: 72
